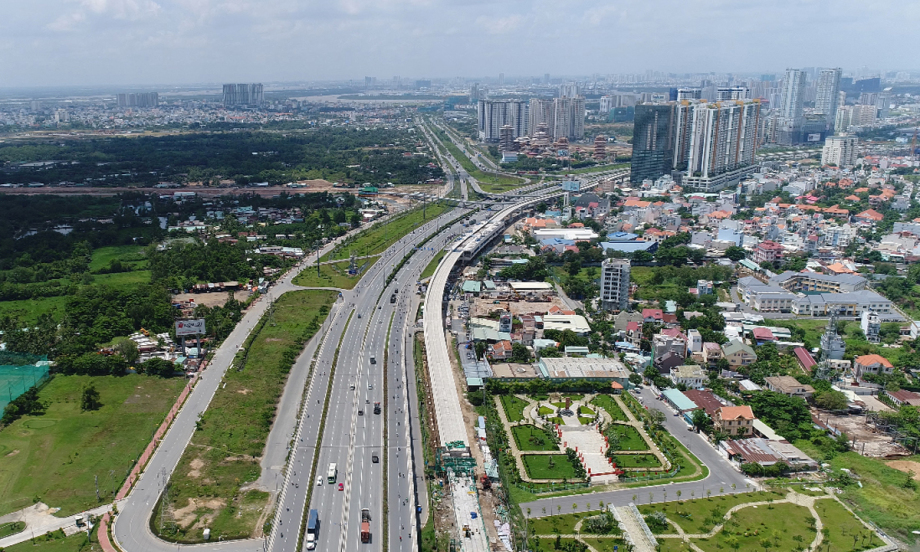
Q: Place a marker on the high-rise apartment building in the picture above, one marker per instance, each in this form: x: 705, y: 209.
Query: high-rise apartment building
x: 689, y: 94
x: 840, y: 151
x: 791, y: 109
x: 140, y: 99
x: 712, y: 143
x: 654, y: 135
x: 828, y: 94
x: 243, y: 94
x: 732, y: 93
x: 568, y: 118
x: 494, y: 114
x: 541, y: 113
x: 716, y: 142
x: 854, y: 115
x: 615, y: 284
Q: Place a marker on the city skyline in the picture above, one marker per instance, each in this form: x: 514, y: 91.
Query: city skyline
x: 144, y: 42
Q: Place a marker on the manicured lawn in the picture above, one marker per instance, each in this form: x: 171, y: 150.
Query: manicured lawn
x: 224, y: 451
x: 546, y: 411
x: 607, y: 403
x: 334, y: 275
x: 556, y: 420
x: 585, y: 420
x: 701, y: 514
x: 844, y: 526
x: 630, y: 438
x: 429, y: 270
x: 379, y: 237
x: 514, y: 407
x: 538, y: 466
x: 55, y: 457
x: 12, y: 528
x: 605, y: 545
x: 529, y: 437
x: 563, y: 524
x: 782, y: 527
x: 549, y: 545
x: 59, y: 543
x: 637, y: 461
x: 585, y: 411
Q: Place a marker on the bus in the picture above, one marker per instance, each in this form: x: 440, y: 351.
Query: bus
x: 332, y: 473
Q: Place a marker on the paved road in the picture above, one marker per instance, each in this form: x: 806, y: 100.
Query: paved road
x: 721, y: 474
x: 353, y: 434
x: 131, y: 528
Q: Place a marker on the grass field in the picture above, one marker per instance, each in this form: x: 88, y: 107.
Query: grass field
x: 637, y: 461
x: 28, y: 310
x: 492, y: 183
x: 223, y: 454
x: 700, y: 515
x: 123, y: 279
x: 611, y: 407
x: 843, y: 527
x: 528, y: 437
x: 333, y: 275
x: 514, y: 407
x: 538, y: 466
x: 883, y: 498
x: 630, y: 439
x: 429, y: 270
x: 782, y: 526
x: 55, y: 457
x: 8, y: 529
x: 379, y: 237
x: 131, y: 255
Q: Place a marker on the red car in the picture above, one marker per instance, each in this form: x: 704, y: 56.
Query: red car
x: 341, y: 486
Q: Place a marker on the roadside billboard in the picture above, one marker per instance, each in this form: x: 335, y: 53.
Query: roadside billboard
x: 189, y: 327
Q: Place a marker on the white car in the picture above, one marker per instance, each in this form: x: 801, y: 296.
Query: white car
x: 319, y: 481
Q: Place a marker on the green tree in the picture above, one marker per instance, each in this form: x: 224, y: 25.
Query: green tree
x: 127, y: 348
x: 735, y: 253
x: 90, y: 399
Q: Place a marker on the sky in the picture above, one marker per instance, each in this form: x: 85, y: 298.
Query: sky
x: 146, y: 42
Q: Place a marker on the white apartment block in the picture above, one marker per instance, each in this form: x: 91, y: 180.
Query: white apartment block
x: 840, y: 151
x: 615, y: 284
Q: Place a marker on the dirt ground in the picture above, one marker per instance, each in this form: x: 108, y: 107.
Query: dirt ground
x: 868, y: 441
x: 906, y: 466
x: 215, y: 299
x: 482, y: 307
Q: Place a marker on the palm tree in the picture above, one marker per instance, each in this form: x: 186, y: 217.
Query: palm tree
x: 678, y: 494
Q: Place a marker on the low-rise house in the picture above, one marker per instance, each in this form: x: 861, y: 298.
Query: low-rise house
x: 652, y: 315
x: 500, y: 350
x: 903, y: 397
x: 738, y: 354
x: 734, y: 420
x: 871, y: 364
x: 690, y: 375
x: 789, y: 386
x: 766, y: 453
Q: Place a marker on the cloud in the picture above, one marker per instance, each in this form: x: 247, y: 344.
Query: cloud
x: 122, y: 10
x: 499, y: 25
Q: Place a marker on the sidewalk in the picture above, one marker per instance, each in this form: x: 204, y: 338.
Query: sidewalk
x: 39, y: 519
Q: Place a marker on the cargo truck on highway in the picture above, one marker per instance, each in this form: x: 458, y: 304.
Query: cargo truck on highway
x: 365, y: 525
x: 312, y: 529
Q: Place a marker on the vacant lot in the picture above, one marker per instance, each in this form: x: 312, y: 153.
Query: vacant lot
x: 223, y: 455
x: 54, y: 458
x: 379, y: 237
x: 334, y: 275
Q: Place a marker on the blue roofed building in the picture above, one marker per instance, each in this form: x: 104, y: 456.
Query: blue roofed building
x: 630, y: 246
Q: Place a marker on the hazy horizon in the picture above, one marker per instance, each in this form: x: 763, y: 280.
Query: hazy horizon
x: 78, y: 43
